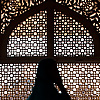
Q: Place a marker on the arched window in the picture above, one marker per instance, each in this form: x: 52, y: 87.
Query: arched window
x: 66, y: 30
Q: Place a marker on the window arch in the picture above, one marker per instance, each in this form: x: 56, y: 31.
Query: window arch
x: 29, y: 38
x: 79, y: 73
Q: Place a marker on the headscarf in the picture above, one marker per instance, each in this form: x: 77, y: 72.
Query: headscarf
x: 47, y: 72
x: 47, y: 69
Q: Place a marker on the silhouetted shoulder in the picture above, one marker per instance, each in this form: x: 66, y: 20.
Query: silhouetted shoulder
x: 47, y: 75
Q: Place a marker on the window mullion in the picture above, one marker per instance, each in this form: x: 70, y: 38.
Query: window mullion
x: 50, y: 30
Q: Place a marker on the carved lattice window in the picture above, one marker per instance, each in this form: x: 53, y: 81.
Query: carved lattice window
x: 29, y: 38
x: 66, y: 30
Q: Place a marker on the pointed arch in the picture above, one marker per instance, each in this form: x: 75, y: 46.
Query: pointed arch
x: 43, y: 6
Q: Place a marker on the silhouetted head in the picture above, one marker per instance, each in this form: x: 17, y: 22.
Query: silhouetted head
x: 47, y: 69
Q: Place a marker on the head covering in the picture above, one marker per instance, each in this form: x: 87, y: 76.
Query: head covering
x: 46, y: 69
x: 47, y: 74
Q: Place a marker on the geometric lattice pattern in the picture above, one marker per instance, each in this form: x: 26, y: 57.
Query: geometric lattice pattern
x: 13, y: 8
x: 88, y: 8
x: 71, y: 38
x: 82, y: 80
x: 16, y: 80
x: 29, y: 38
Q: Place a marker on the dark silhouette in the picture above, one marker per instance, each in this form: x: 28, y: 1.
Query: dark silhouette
x: 47, y: 75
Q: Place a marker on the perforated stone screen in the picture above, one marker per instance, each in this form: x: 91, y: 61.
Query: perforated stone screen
x: 81, y: 80
x: 13, y: 8
x: 29, y: 38
x: 71, y: 38
x: 88, y: 8
x: 16, y: 80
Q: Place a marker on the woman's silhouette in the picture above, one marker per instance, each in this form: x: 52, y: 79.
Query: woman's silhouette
x: 47, y: 75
